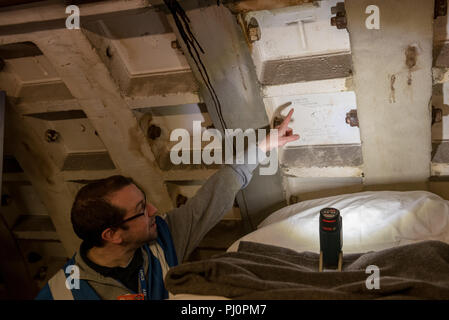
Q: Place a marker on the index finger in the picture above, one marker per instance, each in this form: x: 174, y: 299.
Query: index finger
x: 287, y: 119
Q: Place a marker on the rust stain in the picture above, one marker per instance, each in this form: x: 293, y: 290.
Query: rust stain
x: 392, y: 90
x: 411, y: 54
x: 242, y: 24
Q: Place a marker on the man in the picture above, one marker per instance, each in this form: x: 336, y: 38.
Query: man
x: 127, y: 249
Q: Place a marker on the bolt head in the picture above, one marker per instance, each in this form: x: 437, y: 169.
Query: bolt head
x: 51, y: 135
x: 154, y: 132
x: 253, y: 33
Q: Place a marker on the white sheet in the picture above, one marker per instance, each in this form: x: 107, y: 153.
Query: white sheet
x: 371, y: 221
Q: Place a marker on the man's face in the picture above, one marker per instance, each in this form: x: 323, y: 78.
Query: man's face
x: 142, y: 229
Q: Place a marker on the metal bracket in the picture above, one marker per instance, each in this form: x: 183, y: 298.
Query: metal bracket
x: 437, y: 115
x: 440, y: 8
x: 339, y: 20
x: 352, y: 119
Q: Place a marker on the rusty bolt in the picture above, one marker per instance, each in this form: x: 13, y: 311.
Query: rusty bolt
x: 340, y: 7
x: 175, y: 45
x: 437, y: 115
x: 339, y: 21
x: 180, y: 200
x: 154, y: 132
x: 253, y: 34
x: 352, y: 119
x: 253, y: 30
x: 51, y: 135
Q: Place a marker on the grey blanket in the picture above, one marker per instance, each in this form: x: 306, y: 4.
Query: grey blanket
x: 258, y: 271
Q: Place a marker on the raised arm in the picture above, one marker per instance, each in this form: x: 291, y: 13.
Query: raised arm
x: 190, y: 223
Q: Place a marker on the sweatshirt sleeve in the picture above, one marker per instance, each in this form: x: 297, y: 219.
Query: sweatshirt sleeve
x: 189, y: 223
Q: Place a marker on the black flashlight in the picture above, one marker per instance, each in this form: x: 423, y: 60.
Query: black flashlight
x: 331, y: 238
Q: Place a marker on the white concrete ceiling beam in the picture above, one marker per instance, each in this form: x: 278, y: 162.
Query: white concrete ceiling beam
x: 55, y: 10
x: 90, y: 82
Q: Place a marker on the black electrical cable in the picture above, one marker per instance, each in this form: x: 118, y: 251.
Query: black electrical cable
x: 183, y: 24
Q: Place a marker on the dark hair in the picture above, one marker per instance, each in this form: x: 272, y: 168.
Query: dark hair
x: 92, y: 213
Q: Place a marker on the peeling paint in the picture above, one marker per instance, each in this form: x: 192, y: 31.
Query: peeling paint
x: 410, y: 56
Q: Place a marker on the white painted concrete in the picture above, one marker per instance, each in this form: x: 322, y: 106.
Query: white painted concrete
x: 319, y: 119
x: 283, y: 35
x: 392, y: 98
x: 55, y: 9
x: 155, y: 40
x: 33, y: 69
x: 78, y: 135
x: 439, y: 169
x: 327, y: 172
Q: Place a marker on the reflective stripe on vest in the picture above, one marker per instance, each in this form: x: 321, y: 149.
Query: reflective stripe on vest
x: 58, y: 287
x: 158, y: 252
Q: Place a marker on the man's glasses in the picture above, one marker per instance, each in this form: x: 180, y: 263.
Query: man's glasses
x: 136, y: 215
